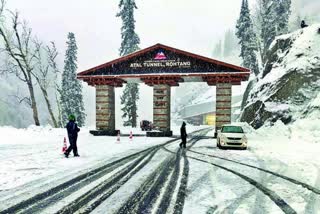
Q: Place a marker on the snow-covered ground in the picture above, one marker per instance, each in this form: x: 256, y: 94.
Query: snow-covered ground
x: 36, y: 152
x: 31, y: 158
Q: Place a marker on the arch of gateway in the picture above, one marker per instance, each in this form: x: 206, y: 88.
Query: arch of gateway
x: 161, y: 67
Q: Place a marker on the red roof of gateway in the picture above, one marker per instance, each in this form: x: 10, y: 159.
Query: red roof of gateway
x: 143, y: 51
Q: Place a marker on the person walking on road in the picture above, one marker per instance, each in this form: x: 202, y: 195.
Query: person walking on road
x: 73, y: 130
x: 184, y: 135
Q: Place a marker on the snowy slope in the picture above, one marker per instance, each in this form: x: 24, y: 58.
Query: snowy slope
x: 290, y: 81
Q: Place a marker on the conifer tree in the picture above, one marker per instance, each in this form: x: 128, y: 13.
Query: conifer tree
x: 275, y: 21
x: 71, y: 90
x: 283, y: 12
x: 248, y: 40
x: 230, y: 43
x: 129, y: 44
x: 268, y: 25
x: 217, y: 51
x: 130, y: 107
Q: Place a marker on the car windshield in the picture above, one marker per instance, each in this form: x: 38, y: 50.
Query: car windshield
x: 232, y: 129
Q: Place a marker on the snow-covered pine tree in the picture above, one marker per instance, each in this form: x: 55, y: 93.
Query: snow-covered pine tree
x: 217, y: 51
x: 295, y: 22
x: 71, y: 89
x: 268, y: 25
x: 247, y: 39
x: 129, y: 105
x: 129, y: 44
x: 275, y: 18
x: 283, y: 11
x: 230, y: 43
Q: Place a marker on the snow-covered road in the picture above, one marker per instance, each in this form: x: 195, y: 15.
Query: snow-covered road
x: 247, y: 183
x: 161, y: 178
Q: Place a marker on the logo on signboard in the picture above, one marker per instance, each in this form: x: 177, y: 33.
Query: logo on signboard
x: 160, y: 56
x: 160, y: 60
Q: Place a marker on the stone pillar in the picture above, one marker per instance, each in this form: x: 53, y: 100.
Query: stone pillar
x: 223, y: 104
x: 161, y: 108
x: 105, y: 110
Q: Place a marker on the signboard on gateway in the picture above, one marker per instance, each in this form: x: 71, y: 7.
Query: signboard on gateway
x: 160, y: 60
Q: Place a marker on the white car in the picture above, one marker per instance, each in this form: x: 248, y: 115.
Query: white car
x: 231, y: 136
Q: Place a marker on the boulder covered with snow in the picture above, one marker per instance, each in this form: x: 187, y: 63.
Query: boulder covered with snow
x: 289, y: 86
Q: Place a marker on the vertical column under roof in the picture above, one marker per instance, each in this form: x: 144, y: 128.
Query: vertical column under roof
x: 161, y: 108
x: 105, y: 108
x: 223, y: 104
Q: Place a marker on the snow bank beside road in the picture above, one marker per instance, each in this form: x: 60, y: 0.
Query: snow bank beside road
x: 295, y: 144
x: 303, y: 131
x: 297, y: 141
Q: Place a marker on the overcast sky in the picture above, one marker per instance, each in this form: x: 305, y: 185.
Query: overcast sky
x: 186, y: 24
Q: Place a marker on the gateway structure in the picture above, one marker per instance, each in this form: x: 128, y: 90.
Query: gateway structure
x: 161, y: 67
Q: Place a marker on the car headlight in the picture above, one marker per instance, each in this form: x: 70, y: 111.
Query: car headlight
x: 244, y: 140
x: 223, y: 139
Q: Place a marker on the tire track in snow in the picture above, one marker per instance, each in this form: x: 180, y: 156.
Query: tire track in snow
x: 67, y: 186
x: 168, y: 194
x: 144, y: 199
x: 294, y: 181
x: 154, y: 192
x: 182, y: 192
x: 51, y: 196
x: 79, y: 181
x: 259, y: 198
x: 286, y: 208
x: 54, y: 198
x: 234, y: 205
x: 178, y: 208
x: 90, y: 200
x: 238, y: 201
x: 313, y: 203
x: 132, y: 204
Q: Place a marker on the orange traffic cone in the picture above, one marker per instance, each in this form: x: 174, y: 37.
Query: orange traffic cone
x: 130, y: 137
x: 64, y: 148
x: 118, y: 137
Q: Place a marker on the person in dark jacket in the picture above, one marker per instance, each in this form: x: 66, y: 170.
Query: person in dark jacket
x: 73, y: 130
x: 303, y: 24
x: 184, y: 135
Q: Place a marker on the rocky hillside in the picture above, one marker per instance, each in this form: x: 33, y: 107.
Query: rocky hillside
x: 289, y: 87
